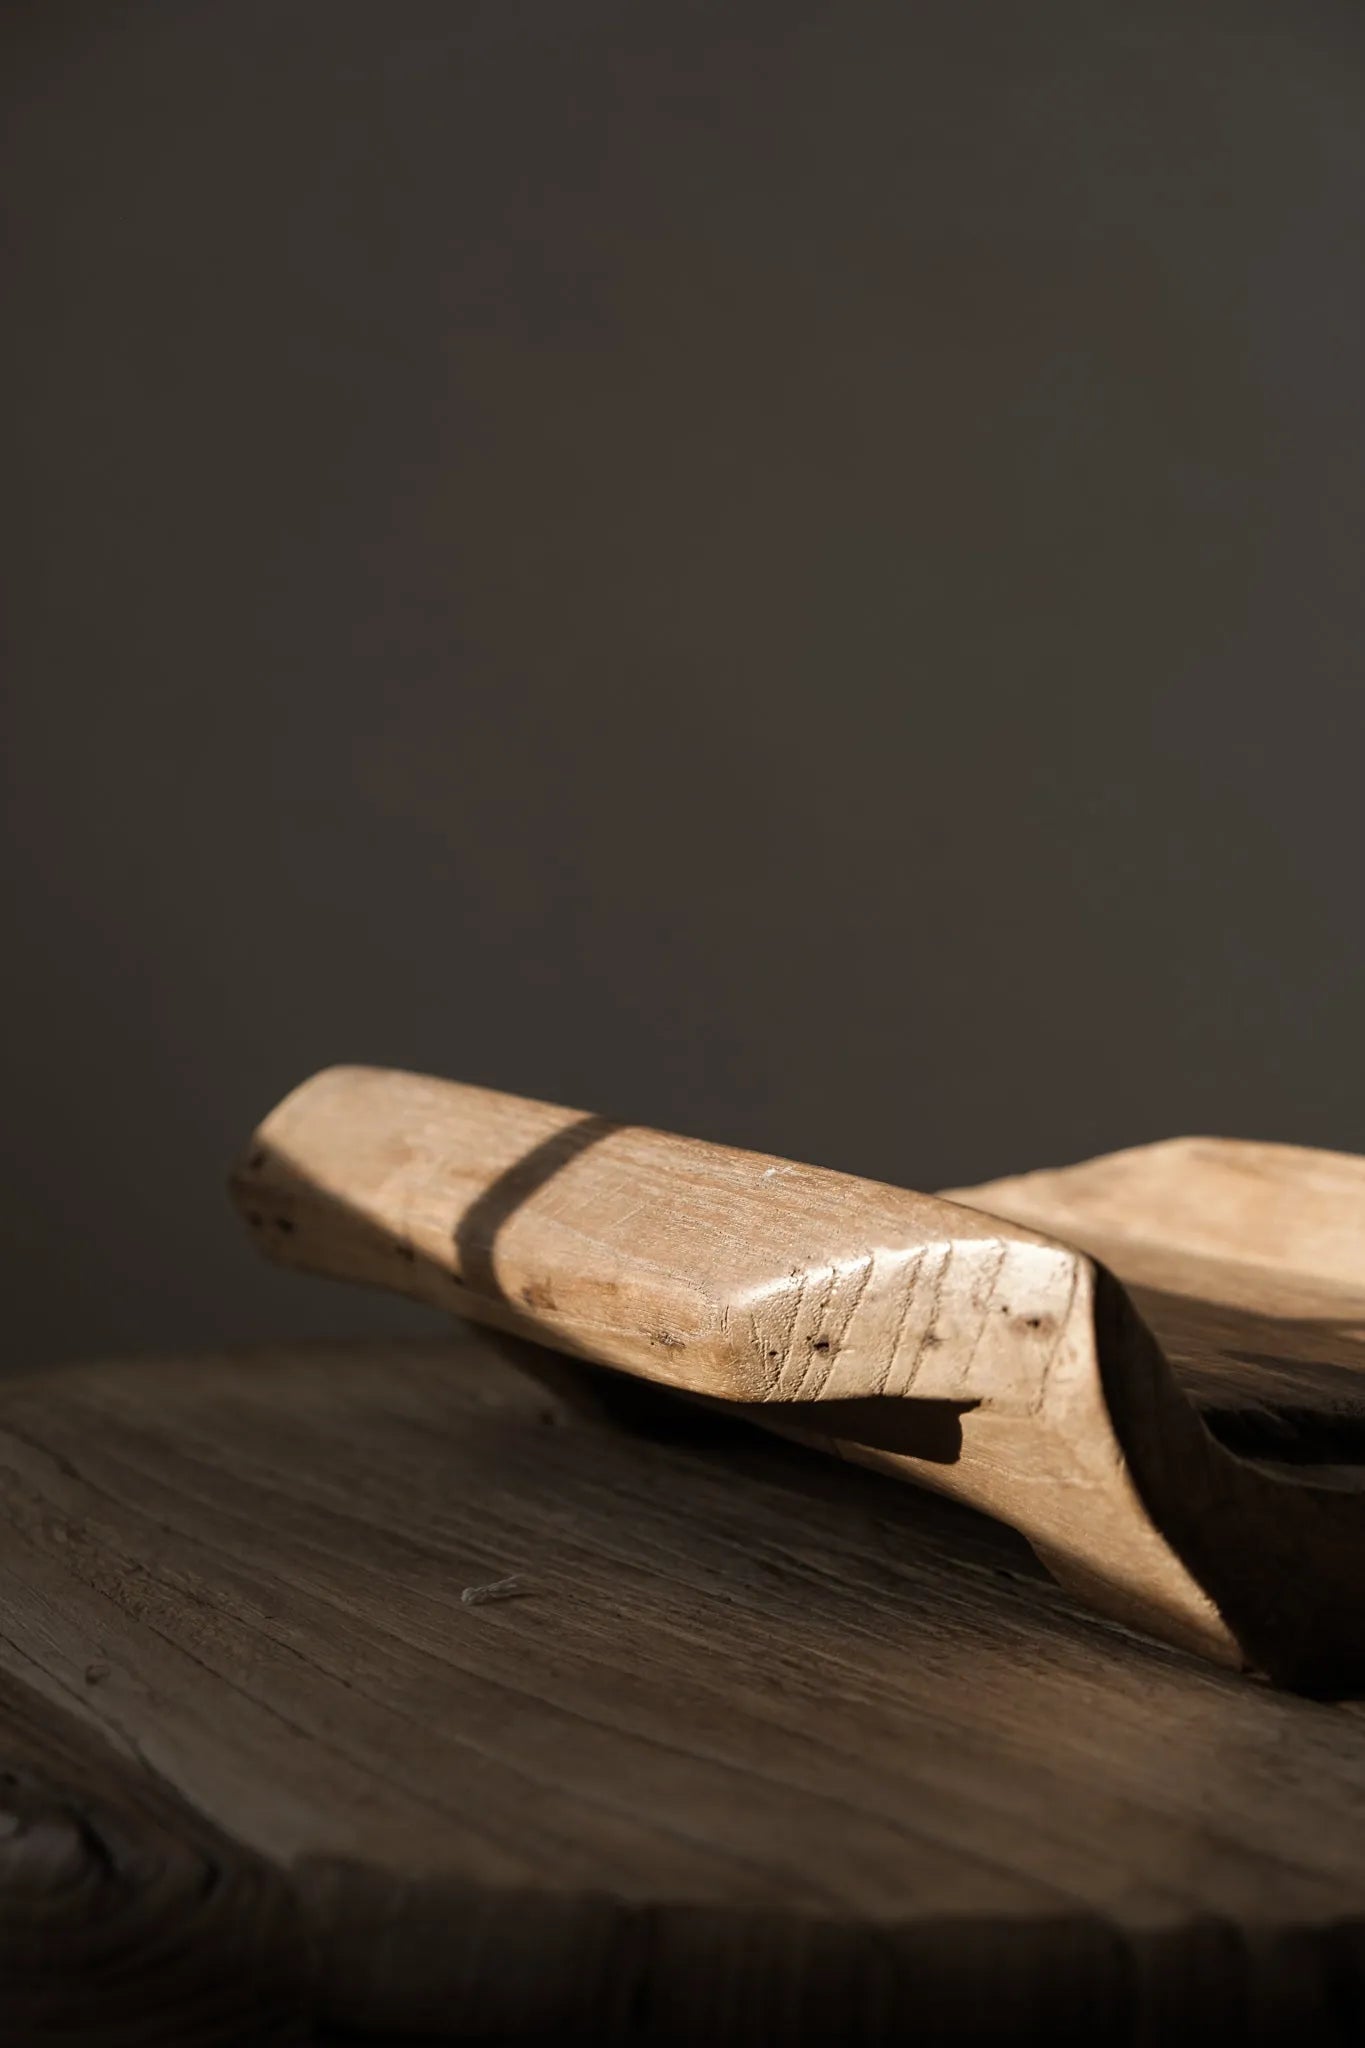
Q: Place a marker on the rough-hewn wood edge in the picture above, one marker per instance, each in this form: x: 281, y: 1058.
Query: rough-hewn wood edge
x: 126, y: 1918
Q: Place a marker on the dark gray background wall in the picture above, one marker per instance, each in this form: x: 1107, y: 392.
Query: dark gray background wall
x: 791, y: 572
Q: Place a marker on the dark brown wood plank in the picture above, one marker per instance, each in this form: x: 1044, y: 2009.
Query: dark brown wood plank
x: 269, y: 1557
x: 125, y: 1916
x: 744, y: 1687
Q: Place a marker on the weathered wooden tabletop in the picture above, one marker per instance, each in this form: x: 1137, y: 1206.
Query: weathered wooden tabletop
x: 765, y: 1747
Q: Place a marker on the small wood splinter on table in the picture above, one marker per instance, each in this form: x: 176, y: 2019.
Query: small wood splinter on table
x: 1151, y: 1365
x: 514, y: 1587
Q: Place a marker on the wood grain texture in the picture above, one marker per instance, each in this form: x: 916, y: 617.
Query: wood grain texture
x: 125, y: 1917
x: 766, y: 1747
x: 952, y: 1342
x: 1248, y: 1262
x: 772, y: 1749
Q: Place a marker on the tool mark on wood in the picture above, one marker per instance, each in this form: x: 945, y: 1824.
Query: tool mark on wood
x: 908, y: 1278
x: 929, y: 1337
x: 816, y: 1345
x: 1039, y: 1400
x: 789, y: 1303
x: 982, y: 1296
x: 827, y: 1350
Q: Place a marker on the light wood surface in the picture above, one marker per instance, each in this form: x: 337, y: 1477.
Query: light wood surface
x: 954, y: 1342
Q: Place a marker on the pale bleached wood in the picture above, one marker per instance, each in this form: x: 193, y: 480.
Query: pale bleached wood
x: 978, y: 1356
x: 1274, y: 1226
x: 1247, y: 1260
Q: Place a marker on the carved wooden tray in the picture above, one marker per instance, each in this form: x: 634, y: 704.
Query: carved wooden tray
x: 1201, y: 1482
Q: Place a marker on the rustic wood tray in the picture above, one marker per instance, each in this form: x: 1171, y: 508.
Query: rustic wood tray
x: 1198, y: 1483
